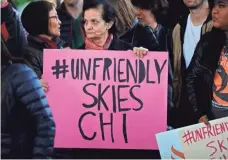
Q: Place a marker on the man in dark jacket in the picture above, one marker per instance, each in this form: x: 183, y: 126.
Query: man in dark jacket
x: 11, y: 29
x: 185, y: 37
x: 207, y: 80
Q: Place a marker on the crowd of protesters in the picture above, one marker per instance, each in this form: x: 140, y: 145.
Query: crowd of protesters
x: 194, y: 33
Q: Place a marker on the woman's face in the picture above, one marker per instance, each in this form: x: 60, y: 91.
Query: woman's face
x: 54, y: 24
x: 95, y: 26
x: 220, y: 14
x: 143, y: 15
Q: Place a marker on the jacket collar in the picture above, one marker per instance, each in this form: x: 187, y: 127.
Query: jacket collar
x: 35, y: 40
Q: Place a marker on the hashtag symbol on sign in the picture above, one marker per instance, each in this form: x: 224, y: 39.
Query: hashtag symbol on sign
x: 60, y: 69
x: 188, y: 137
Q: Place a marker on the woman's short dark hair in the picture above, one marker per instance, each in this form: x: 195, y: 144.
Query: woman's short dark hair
x: 157, y: 7
x: 35, y: 17
x: 108, y: 14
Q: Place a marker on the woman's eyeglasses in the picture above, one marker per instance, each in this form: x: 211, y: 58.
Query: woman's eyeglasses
x: 55, y: 17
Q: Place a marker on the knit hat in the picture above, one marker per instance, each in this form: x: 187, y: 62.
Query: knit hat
x: 35, y: 17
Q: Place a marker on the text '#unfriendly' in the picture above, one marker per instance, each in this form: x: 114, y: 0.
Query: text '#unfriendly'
x: 122, y: 69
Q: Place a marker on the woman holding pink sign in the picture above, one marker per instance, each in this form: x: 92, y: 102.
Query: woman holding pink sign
x: 100, y: 34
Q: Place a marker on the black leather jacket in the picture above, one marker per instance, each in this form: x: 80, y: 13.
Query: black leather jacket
x: 201, y: 72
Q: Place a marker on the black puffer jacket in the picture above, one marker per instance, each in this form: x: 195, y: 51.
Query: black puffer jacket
x: 27, y: 126
x: 201, y: 72
x: 33, y: 52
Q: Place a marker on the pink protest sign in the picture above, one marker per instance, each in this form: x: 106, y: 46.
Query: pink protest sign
x: 107, y: 99
x: 196, y: 141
